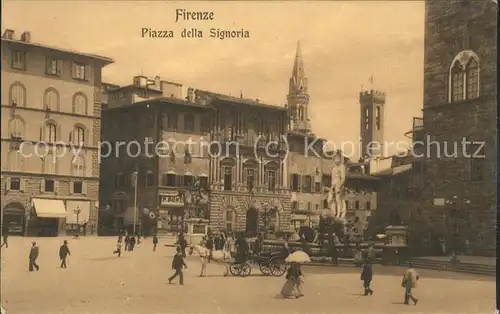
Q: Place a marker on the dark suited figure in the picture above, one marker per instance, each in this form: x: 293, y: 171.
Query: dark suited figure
x: 63, y: 254
x: 177, y: 265
x: 182, y: 244
x: 210, y: 247
x: 5, y: 238
x: 366, y: 276
x: 34, y: 252
x: 155, y: 242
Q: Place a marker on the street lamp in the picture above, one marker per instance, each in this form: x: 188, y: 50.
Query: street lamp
x: 77, y: 211
x: 136, y: 175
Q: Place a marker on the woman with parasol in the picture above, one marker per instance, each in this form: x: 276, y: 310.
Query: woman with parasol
x: 294, y: 276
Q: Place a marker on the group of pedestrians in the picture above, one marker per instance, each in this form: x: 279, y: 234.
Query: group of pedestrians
x: 130, y: 242
x: 64, y: 252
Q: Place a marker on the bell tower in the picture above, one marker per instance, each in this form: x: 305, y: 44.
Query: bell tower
x: 372, y: 104
x: 298, y: 97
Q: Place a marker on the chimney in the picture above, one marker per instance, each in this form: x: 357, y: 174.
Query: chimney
x: 190, y: 95
x: 8, y: 34
x: 26, y: 37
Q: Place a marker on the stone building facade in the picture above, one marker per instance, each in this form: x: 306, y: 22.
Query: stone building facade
x: 248, y: 175
x: 178, y: 133
x: 51, y: 96
x: 459, y: 195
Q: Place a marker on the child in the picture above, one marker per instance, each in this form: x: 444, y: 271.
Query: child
x: 366, y: 276
x: 118, y: 248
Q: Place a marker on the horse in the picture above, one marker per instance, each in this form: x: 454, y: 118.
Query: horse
x: 220, y: 256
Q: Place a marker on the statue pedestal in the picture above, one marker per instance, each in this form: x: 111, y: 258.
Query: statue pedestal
x: 396, y: 235
x: 196, y: 229
x: 395, y: 249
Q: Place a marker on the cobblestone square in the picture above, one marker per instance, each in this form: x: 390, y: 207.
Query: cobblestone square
x: 98, y: 282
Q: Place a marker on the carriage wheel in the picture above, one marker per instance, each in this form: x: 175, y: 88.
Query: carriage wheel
x: 266, y: 269
x: 278, y: 268
x: 245, y: 270
x: 234, y: 269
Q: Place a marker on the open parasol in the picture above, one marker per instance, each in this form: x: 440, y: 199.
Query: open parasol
x: 298, y: 257
x: 381, y: 236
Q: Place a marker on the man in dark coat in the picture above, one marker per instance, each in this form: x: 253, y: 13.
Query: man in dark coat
x: 5, y: 238
x: 241, y: 249
x: 155, y: 242
x: 177, y: 265
x: 34, y: 252
x: 63, y: 253
x: 182, y: 244
x: 210, y: 247
x: 366, y: 276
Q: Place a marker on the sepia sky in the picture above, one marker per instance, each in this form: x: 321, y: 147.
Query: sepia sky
x: 343, y: 44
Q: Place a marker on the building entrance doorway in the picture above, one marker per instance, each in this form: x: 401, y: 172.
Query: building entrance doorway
x: 252, y: 225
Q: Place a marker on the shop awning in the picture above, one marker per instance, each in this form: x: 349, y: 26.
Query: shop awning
x: 46, y: 208
x: 83, y: 209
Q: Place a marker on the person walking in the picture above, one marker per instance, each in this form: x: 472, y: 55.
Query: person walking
x: 182, y: 244
x: 409, y: 282
x: 127, y: 242
x: 34, y: 252
x: 118, y: 250
x: 5, y: 237
x: 177, y: 265
x: 366, y: 276
x: 131, y: 243
x: 155, y: 242
x: 293, y: 282
x: 63, y: 253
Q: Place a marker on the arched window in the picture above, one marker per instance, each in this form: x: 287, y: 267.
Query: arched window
x: 368, y: 206
x: 49, y: 164
x: 472, y: 75
x: 78, y: 166
x: 464, y: 77
x: 50, y: 133
x: 356, y: 205
x: 15, y: 161
x: 78, y: 135
x: 79, y: 104
x: 457, y: 82
x: 17, y: 95
x: 51, y: 99
x: 16, y: 127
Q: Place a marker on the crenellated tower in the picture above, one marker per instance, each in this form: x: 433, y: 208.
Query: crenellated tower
x: 372, y: 104
x: 298, y: 97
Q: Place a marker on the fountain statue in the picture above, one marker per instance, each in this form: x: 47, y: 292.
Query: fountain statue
x: 336, y: 195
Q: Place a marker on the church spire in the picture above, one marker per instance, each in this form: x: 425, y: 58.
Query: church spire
x: 298, y: 65
x: 298, y: 81
x: 298, y: 98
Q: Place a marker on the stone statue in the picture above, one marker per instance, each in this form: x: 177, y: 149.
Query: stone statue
x: 336, y: 194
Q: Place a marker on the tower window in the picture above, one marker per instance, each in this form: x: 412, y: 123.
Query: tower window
x: 367, y: 118
x: 377, y: 118
x: 457, y: 83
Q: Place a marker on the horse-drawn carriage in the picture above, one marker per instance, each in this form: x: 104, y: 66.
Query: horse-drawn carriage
x: 269, y: 264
